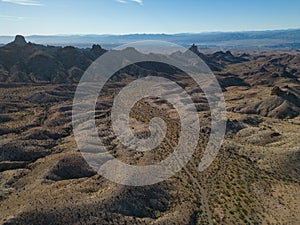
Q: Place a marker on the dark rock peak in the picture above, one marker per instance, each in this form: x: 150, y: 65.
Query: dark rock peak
x: 223, y: 54
x: 20, y: 40
x: 69, y: 48
x: 97, y: 48
x: 218, y: 53
x: 228, y: 53
x: 245, y: 55
x: 194, y: 48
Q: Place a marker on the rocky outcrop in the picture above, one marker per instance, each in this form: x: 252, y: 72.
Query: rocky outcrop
x: 31, y: 63
x: 282, y: 103
x: 19, y: 40
x: 218, y: 60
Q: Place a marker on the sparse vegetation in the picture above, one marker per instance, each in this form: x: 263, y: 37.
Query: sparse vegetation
x: 254, y: 180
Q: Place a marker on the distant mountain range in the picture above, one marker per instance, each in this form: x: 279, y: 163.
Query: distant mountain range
x: 288, y: 39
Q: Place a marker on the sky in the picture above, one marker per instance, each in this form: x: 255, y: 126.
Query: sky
x: 53, y: 17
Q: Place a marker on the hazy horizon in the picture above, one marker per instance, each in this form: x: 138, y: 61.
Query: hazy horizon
x: 124, y: 34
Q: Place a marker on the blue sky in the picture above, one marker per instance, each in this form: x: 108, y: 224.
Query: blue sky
x: 145, y: 16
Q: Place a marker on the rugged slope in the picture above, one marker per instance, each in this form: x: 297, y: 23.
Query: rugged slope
x: 26, y: 62
x: 44, y: 180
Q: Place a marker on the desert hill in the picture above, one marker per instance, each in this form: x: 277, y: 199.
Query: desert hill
x: 26, y: 62
x: 44, y: 179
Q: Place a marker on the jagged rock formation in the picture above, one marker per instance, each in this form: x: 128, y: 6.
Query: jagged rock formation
x: 31, y: 63
x: 218, y: 60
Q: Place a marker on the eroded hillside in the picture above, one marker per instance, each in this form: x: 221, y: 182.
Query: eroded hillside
x: 44, y: 179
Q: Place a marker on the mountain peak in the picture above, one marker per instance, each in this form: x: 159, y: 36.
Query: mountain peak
x: 96, y: 47
x: 194, y: 49
x: 19, y: 40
